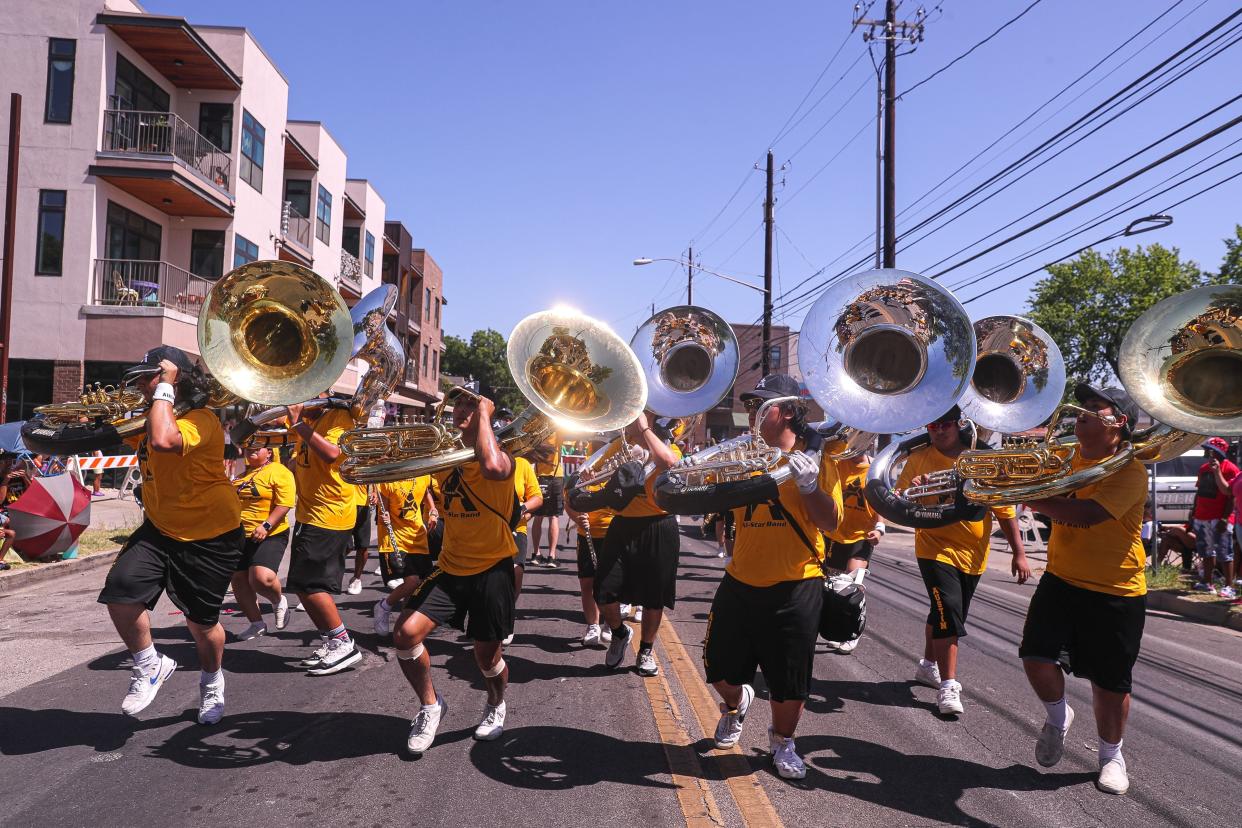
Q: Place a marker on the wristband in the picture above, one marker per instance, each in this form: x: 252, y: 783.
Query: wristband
x: 879, y: 527
x: 164, y: 391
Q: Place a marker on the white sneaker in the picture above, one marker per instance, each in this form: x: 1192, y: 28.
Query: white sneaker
x: 616, y: 650
x: 317, y: 656
x: 507, y: 640
x: 379, y: 570
x: 928, y: 675
x: 605, y: 634
x: 143, y: 685
x: 382, y: 621
x: 785, y: 759
x: 591, y: 637
x: 626, y: 611
x: 1050, y: 745
x: 847, y: 647
x: 355, y: 586
x: 300, y: 608
x: 492, y: 724
x: 281, y: 611
x: 394, y: 583
x: 341, y: 653
x: 638, y: 615
x: 210, y: 703
x: 424, y: 726
x: 949, y: 699
x: 255, y: 630
x: 1113, y: 778
x: 729, y: 728
x: 646, y: 664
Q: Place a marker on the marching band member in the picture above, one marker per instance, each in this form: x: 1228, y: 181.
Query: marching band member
x: 472, y: 587
x: 951, y: 560
x: 267, y: 493
x: 190, y: 540
x: 547, y: 460
x: 404, y: 503
x: 526, y: 485
x: 1091, y: 601
x: 362, y: 542
x: 592, y: 532
x: 637, y: 564
x: 327, y: 510
x: 767, y: 608
x: 859, y: 530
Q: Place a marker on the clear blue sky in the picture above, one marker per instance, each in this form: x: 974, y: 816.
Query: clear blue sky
x: 537, y: 148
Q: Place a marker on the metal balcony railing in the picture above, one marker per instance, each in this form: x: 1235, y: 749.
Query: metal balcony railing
x: 296, y: 226
x: 351, y: 269
x: 163, y: 133
x: 139, y: 283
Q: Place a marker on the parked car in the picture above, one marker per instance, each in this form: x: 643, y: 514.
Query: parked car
x: 1175, y: 486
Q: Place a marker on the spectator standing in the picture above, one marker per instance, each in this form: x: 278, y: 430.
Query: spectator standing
x: 1210, y: 513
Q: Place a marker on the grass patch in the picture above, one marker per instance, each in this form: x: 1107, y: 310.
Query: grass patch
x: 1166, y: 577
x: 102, y: 540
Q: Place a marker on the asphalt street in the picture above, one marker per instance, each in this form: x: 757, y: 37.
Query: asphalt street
x: 587, y: 746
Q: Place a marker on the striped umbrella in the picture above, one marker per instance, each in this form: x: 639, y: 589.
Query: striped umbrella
x: 49, y: 516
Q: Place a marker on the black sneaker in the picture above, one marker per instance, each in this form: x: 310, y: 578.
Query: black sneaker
x: 341, y: 654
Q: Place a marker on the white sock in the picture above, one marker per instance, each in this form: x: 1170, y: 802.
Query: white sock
x: 1057, y: 713
x: 949, y: 683
x: 217, y: 678
x: 432, y: 706
x: 929, y: 664
x: 1110, y: 751
x: 147, y: 659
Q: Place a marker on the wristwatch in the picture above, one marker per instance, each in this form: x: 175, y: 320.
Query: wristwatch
x: 267, y: 527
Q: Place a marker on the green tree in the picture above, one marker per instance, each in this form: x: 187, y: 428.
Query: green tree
x: 1231, y: 266
x: 482, y: 358
x: 1088, y: 303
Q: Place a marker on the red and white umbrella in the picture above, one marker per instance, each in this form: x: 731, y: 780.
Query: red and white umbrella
x: 49, y: 516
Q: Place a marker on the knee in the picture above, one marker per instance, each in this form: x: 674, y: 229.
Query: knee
x: 406, y: 637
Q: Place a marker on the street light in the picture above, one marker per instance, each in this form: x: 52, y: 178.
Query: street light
x: 767, y: 302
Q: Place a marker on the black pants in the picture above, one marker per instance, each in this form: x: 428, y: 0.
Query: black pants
x: 638, y: 562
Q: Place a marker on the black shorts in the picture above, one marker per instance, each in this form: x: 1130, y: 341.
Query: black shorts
x: 950, y: 590
x: 417, y: 566
x: 523, y: 545
x: 840, y: 554
x: 638, y: 562
x: 317, y: 562
x: 362, y: 528
x: 586, y: 569
x: 553, y: 488
x: 1101, y: 633
x: 195, y: 574
x: 268, y: 552
x: 481, y: 605
x: 771, y: 628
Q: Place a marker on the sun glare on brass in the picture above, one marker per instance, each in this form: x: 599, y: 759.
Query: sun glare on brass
x: 690, y: 358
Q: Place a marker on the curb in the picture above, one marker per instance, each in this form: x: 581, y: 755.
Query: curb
x: 1210, y: 613
x: 22, y: 578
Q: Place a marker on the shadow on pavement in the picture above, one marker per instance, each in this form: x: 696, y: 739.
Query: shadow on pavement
x: 236, y: 660
x: 24, y: 731
x: 461, y: 665
x: 559, y: 758
x: 922, y: 785
x: 830, y: 696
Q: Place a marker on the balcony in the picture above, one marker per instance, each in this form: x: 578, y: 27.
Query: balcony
x: 136, y: 283
x: 351, y: 272
x: 135, y: 305
x: 161, y: 159
x: 295, y: 230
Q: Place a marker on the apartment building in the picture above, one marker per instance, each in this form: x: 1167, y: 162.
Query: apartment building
x: 157, y: 155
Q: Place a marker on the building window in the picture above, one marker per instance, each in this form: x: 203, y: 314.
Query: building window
x: 297, y: 193
x: 244, y: 251
x: 424, y: 357
x: 215, y: 121
x: 436, y: 368
x: 774, y: 356
x: 49, y: 253
x: 130, y: 236
x: 253, y: 135
x: 134, y: 90
x: 323, y: 216
x: 207, y: 254
x: 351, y: 240
x: 438, y: 313
x: 61, y: 55
x: 368, y: 256
x: 427, y: 305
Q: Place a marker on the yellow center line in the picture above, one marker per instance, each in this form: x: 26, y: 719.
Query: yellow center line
x: 752, y: 801
x: 694, y: 795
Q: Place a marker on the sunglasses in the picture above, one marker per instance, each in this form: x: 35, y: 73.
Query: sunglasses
x: 943, y: 424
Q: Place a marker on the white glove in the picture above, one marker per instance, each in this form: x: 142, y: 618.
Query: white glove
x: 805, y: 470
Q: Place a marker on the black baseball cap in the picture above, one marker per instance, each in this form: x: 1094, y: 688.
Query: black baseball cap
x: 773, y: 386
x: 150, y: 363
x: 951, y: 416
x: 1117, y: 398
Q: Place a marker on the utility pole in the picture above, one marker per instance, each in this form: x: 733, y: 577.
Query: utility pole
x: 892, y: 31
x: 10, y: 226
x: 769, y: 216
x: 690, y: 275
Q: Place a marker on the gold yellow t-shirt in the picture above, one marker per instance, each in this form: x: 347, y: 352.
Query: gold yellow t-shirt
x: 525, y: 483
x: 964, y: 544
x: 261, y: 490
x: 767, y: 549
x: 857, y: 516
x: 477, y: 515
x: 187, y: 496
x: 552, y: 465
x: 1108, y: 557
x: 324, y: 499
x: 643, y: 504
x: 599, y: 521
x: 361, y: 498
x: 404, y: 500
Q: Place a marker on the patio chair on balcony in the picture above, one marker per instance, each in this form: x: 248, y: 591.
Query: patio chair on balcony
x: 124, y: 295
x: 192, y: 298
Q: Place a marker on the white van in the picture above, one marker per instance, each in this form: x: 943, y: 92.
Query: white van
x: 1175, y: 486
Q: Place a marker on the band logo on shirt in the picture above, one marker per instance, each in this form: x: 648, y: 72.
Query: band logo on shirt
x: 144, y: 457
x: 776, y: 515
x: 852, y: 496
x: 409, y: 509
x: 453, y: 490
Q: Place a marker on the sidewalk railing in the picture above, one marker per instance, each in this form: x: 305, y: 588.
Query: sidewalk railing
x: 163, y: 133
